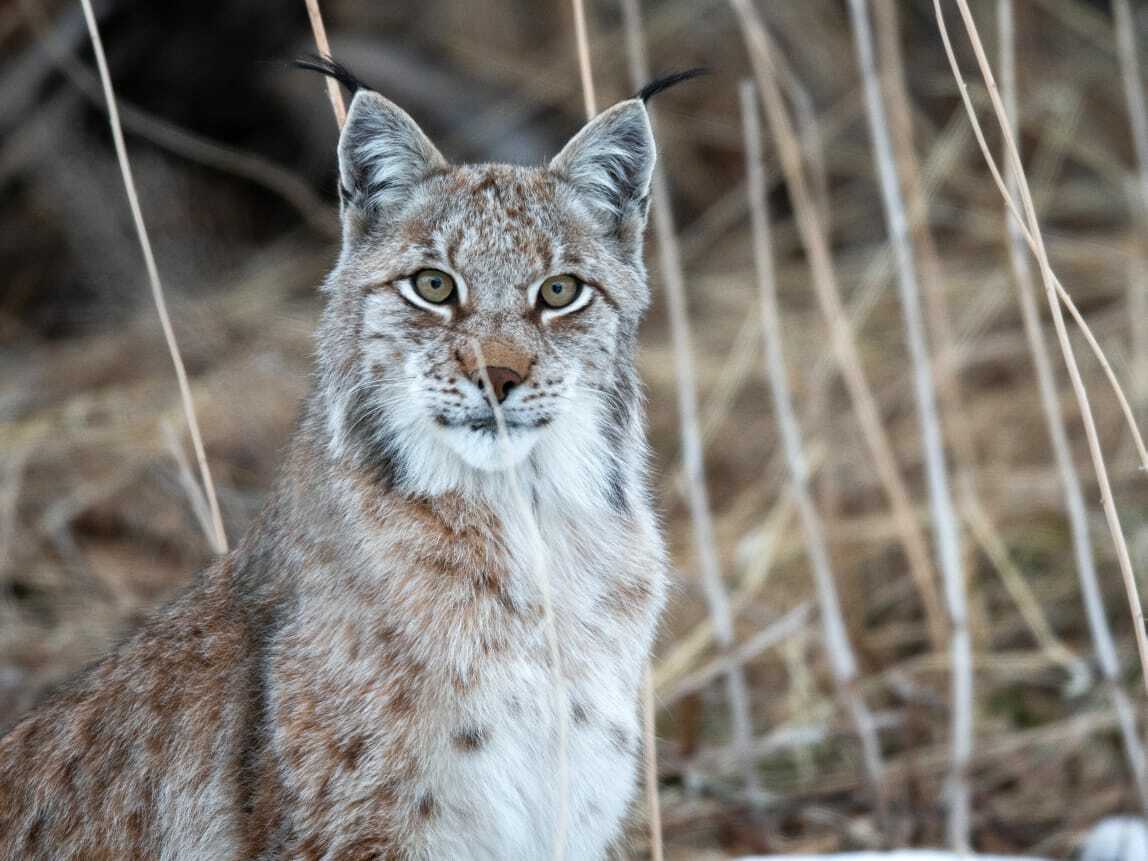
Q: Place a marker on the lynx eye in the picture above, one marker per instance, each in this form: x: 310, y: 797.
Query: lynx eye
x: 434, y: 285
x: 559, y: 291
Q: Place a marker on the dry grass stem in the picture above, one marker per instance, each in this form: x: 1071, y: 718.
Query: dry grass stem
x: 324, y: 47
x: 649, y: 711
x: 582, y: 37
x: 187, y: 480
x: 1134, y: 97
x: 649, y: 740
x: 538, y: 565
x: 1030, y: 235
x: 945, y: 522
x: 844, y: 345
x: 686, y: 649
x: 1051, y: 292
x: 1022, y: 596
x: 836, y: 638
x: 772, y: 635
x: 1138, y: 119
x: 217, y: 536
x: 670, y: 270
x: 1099, y: 630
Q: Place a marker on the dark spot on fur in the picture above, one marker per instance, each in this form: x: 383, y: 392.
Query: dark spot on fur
x: 488, y: 184
x: 314, y: 847
x: 427, y: 806
x: 471, y: 739
x: 579, y: 714
x: 402, y: 701
x: 353, y: 751
x: 377, y: 451
x: 463, y: 683
x: 35, y: 832
x: 619, y: 737
x: 255, y: 787
x: 135, y: 825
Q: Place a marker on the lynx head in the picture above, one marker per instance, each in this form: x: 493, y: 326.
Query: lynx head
x: 453, y: 279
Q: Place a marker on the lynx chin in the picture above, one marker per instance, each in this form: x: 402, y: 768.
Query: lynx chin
x: 366, y: 675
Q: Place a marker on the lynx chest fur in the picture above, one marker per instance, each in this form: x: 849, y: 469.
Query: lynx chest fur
x: 432, y: 641
x: 465, y: 730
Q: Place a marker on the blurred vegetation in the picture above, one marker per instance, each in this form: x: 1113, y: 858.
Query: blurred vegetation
x: 234, y: 157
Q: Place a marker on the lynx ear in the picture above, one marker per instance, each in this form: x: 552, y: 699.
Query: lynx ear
x: 610, y: 162
x: 383, y: 154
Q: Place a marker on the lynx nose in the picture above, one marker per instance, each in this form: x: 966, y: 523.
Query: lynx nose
x: 505, y: 364
x: 502, y: 380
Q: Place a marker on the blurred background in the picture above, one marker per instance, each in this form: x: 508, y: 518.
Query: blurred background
x: 233, y: 153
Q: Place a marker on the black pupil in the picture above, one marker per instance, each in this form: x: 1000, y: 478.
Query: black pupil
x: 557, y: 286
x: 435, y: 283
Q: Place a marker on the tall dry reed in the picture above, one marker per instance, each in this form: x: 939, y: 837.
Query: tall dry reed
x: 1054, y: 294
x: 671, y: 273
x: 842, y: 661
x: 843, y: 343
x: 216, y: 536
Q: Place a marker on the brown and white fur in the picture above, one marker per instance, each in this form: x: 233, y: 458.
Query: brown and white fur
x: 367, y: 675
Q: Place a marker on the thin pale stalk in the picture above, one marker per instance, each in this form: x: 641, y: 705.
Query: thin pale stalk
x: 697, y: 641
x: 1138, y: 119
x: 1030, y: 239
x: 1018, y: 589
x: 930, y: 274
x: 1098, y: 627
x: 324, y: 47
x: 187, y: 477
x: 697, y: 499
x: 1138, y: 315
x: 945, y: 522
x: 542, y: 575
x: 1134, y: 98
x: 772, y: 635
x: 842, y: 661
x: 653, y: 807
x: 845, y: 351
x: 1052, y: 289
x: 649, y: 711
x: 217, y: 536
x: 582, y: 39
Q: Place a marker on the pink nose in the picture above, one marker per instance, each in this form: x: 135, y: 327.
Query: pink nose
x: 502, y: 380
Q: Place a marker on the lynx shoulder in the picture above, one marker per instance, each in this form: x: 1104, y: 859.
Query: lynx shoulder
x: 367, y: 675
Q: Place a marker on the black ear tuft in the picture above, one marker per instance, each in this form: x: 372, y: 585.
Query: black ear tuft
x: 666, y: 81
x: 327, y: 66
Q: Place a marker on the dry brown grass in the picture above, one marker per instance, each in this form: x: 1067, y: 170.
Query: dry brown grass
x: 95, y: 527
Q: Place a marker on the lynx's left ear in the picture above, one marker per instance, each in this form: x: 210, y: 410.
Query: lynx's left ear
x: 611, y: 161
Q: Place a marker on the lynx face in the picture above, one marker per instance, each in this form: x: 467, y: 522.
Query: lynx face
x: 528, y: 282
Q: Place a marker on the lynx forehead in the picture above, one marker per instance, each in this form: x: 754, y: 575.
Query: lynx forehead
x: 367, y: 675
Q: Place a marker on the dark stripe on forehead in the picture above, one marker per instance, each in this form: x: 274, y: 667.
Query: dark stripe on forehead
x: 452, y: 249
x: 488, y: 184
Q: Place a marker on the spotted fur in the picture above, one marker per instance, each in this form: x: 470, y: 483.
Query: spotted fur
x: 366, y: 675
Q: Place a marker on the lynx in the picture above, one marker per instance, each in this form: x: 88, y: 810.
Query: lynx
x: 366, y: 675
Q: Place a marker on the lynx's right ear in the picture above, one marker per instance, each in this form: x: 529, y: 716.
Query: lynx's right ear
x: 382, y: 151
x: 383, y: 154
x: 610, y: 162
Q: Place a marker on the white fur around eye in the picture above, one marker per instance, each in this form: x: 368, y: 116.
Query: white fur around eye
x: 550, y: 313
x: 406, y: 287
